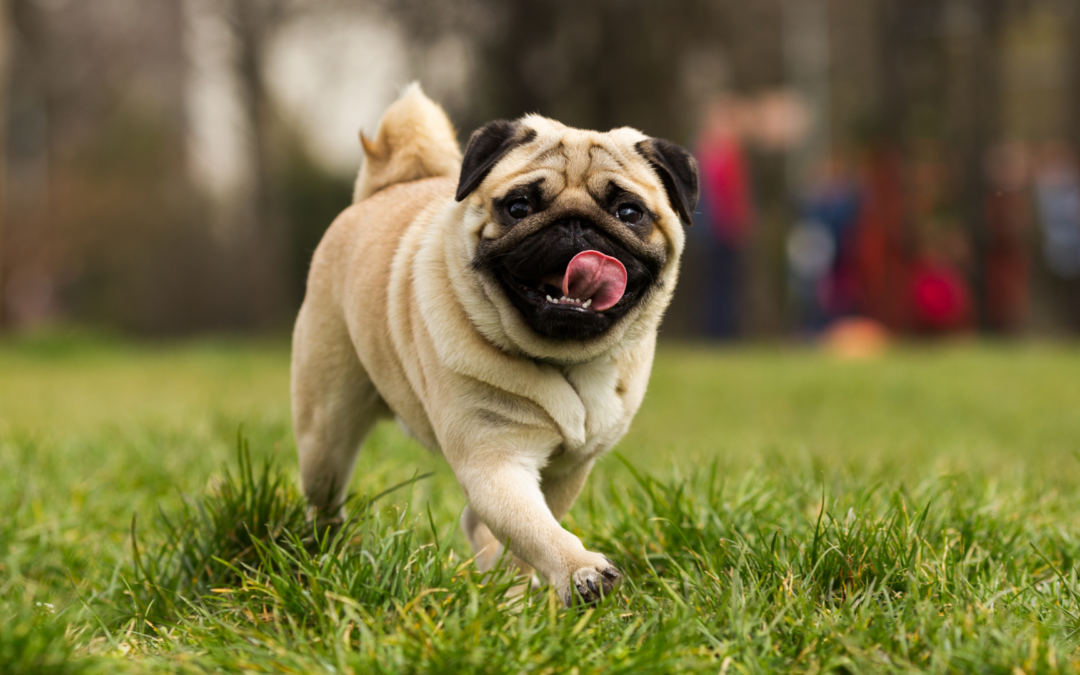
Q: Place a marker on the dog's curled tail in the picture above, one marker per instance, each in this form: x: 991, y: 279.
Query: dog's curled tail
x: 415, y: 140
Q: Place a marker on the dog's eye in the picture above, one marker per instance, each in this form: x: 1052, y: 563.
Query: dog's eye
x: 628, y: 213
x: 518, y: 209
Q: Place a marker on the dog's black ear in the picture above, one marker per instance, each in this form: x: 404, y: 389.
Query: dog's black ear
x: 488, y: 145
x: 678, y: 171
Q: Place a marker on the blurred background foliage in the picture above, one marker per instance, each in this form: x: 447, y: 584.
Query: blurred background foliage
x: 168, y: 166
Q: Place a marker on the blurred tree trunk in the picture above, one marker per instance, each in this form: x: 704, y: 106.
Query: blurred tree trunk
x: 890, y: 112
x: 263, y: 237
x: 890, y: 91
x: 1073, y: 47
x: 983, y: 130
x: 253, y: 22
x: 28, y: 168
x: 5, y: 57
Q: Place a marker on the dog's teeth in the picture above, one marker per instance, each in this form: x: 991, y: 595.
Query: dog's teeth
x: 586, y: 304
x: 549, y: 299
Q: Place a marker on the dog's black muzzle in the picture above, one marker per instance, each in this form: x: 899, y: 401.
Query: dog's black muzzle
x: 531, y: 274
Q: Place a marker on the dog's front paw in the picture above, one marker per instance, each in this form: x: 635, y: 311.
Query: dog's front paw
x: 332, y: 518
x: 592, y: 583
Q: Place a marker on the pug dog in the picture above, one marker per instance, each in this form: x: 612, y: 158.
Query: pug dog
x: 503, y: 306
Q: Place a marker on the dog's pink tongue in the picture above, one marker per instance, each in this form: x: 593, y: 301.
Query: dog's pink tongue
x: 591, y: 274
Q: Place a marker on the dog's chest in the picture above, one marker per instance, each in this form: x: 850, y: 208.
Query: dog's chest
x: 606, y: 414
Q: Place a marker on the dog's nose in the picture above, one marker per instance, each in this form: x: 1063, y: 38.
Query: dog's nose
x: 574, y: 230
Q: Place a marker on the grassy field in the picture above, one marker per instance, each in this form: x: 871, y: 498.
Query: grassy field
x: 774, y: 510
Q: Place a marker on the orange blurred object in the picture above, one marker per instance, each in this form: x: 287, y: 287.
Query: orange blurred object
x: 855, y: 338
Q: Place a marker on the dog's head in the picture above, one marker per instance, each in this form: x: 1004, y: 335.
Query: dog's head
x: 574, y: 235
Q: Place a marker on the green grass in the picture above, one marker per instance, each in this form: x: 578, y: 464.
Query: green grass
x: 774, y: 510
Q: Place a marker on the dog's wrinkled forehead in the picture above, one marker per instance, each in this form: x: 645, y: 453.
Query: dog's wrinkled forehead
x: 566, y: 158
x: 537, y: 150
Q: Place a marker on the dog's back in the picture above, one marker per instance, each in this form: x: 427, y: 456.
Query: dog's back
x: 415, y: 140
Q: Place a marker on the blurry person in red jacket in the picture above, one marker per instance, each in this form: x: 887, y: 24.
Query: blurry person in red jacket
x: 940, y: 298
x: 726, y: 209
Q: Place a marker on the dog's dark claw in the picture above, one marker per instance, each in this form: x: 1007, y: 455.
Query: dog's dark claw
x: 594, y: 584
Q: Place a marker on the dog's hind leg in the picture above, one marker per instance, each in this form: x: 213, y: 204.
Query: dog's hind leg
x: 334, y: 405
